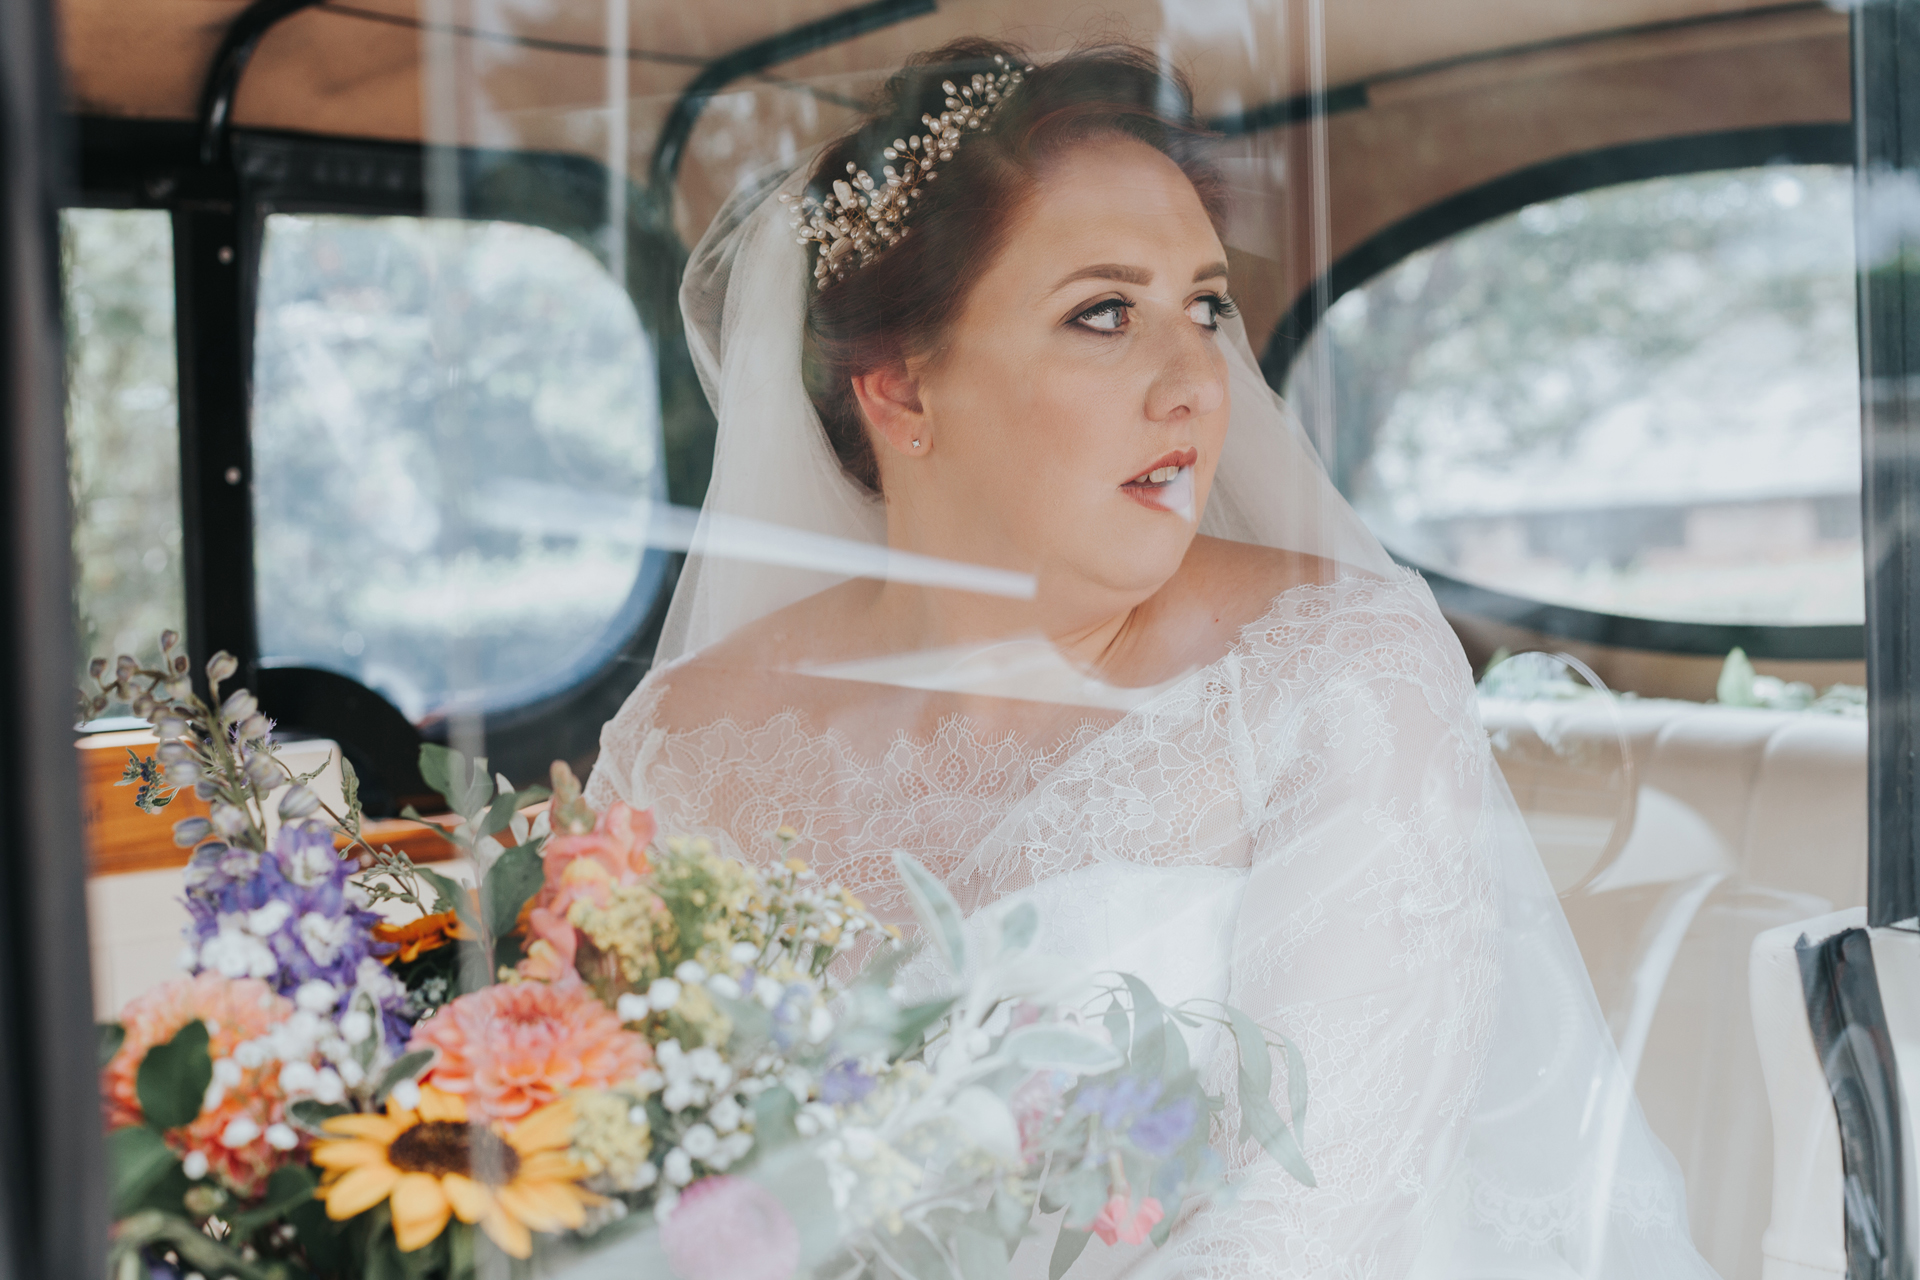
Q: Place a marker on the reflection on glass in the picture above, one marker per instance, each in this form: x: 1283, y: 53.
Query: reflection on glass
x: 123, y: 429
x: 455, y: 438
x: 1640, y: 400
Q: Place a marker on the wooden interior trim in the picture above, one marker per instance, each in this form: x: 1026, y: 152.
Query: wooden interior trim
x: 120, y: 839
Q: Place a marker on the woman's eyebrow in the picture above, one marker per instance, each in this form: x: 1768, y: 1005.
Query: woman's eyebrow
x: 1132, y: 275
x: 1107, y: 271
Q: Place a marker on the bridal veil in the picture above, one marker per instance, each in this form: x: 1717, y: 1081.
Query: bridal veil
x: 1538, y: 1161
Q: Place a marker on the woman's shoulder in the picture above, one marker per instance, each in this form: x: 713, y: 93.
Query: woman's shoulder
x: 747, y: 675
x: 1327, y: 616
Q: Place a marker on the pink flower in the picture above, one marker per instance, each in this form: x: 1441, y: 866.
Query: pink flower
x: 1121, y: 1223
x: 512, y: 1048
x: 234, y: 1010
x: 1036, y: 1105
x: 730, y: 1229
x: 582, y: 868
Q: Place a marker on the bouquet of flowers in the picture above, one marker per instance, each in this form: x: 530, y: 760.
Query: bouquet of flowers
x: 621, y: 1041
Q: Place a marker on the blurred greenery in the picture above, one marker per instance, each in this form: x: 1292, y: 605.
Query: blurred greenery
x: 1591, y: 362
x: 123, y: 436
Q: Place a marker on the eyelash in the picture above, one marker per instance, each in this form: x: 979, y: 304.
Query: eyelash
x: 1223, y: 308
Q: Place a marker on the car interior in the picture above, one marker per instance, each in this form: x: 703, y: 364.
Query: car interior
x: 1565, y: 294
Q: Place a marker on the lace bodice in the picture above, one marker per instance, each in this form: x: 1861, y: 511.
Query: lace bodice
x: 1329, y: 765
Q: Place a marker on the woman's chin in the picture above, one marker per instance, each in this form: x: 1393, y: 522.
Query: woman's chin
x: 1138, y: 562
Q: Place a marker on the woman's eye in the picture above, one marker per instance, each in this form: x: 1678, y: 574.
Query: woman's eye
x: 1104, y: 317
x: 1209, y: 311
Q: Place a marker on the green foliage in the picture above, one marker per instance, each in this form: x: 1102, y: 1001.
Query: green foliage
x: 310, y: 1115
x: 514, y: 878
x: 137, y: 1159
x: 109, y: 1036
x: 145, y: 773
x: 173, y: 1077
x: 1258, y: 1120
x: 288, y: 1188
x: 934, y: 904
x: 1067, y: 1248
x: 405, y: 1067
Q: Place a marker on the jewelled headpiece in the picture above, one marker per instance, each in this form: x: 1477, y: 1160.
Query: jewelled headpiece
x: 860, y: 219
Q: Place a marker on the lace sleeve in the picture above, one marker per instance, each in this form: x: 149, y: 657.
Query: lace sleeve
x: 1368, y: 936
x: 627, y: 743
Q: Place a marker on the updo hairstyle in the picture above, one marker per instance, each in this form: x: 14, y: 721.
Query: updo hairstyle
x: 899, y: 305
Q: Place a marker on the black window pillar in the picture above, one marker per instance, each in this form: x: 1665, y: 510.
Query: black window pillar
x: 1886, y: 36
x: 52, y: 1183
x: 211, y: 251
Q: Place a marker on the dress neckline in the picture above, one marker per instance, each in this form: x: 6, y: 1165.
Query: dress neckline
x: 961, y: 729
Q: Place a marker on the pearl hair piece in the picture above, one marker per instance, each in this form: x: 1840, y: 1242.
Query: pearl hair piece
x: 860, y: 219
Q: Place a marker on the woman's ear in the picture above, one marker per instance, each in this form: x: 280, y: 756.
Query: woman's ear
x: 890, y: 399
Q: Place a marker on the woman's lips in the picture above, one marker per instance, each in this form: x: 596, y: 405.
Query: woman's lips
x: 1173, y: 494
x: 1165, y: 466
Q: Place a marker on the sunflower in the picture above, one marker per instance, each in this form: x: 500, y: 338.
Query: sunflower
x: 432, y: 1165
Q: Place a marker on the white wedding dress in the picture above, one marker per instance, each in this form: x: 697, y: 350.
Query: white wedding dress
x: 1310, y: 827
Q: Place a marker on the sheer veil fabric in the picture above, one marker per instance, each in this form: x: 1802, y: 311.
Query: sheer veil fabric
x: 1310, y: 827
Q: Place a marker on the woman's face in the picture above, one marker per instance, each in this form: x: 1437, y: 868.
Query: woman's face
x: 1078, y: 408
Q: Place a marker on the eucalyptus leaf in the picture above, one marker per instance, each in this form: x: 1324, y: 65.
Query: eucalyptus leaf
x: 405, y: 1067
x: 499, y: 814
x: 350, y: 791
x: 1175, y: 1061
x: 939, y: 913
x: 290, y: 1187
x: 137, y: 1157
x: 1067, y: 1249
x: 1256, y: 1069
x: 436, y: 768
x: 1148, y: 1045
x: 773, y: 1114
x: 478, y: 790
x: 173, y: 1078
x: 1259, y: 1121
x: 450, y: 895
x: 1117, y: 1025
x: 980, y: 1256
x: 108, y: 1037
x: 1296, y: 1089
x: 1060, y: 1048
x: 1085, y: 1191
x: 514, y: 877
x: 1018, y: 927
x: 1011, y: 1215
x: 309, y: 1114
x: 912, y: 1023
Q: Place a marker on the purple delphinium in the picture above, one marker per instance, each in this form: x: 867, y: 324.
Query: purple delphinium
x: 1158, y: 1133
x: 1126, y: 1106
x: 291, y: 918
x: 844, y: 1082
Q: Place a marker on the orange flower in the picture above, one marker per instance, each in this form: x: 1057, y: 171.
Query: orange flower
x: 234, y: 1010
x: 512, y: 1048
x: 415, y: 938
x: 582, y: 868
x: 432, y: 1165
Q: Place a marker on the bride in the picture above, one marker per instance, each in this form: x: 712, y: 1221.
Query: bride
x: 1189, y: 706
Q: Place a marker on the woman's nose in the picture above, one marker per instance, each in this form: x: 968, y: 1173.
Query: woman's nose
x: 1191, y: 381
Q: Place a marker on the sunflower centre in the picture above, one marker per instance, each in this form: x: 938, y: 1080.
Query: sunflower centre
x: 443, y: 1146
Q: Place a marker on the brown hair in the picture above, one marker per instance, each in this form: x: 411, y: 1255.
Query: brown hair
x: 899, y: 305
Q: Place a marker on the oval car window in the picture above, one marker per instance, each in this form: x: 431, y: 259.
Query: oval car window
x: 478, y: 558
x: 1641, y: 400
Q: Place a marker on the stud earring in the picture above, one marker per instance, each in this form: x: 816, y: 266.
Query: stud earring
x: 916, y: 444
